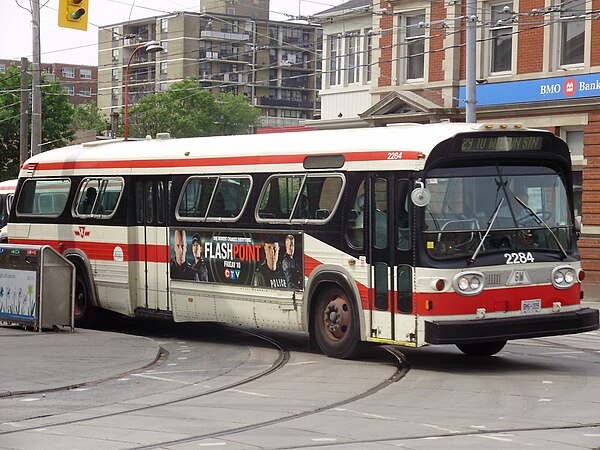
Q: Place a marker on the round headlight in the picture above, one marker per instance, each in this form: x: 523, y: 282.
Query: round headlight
x: 463, y: 284
x: 475, y: 283
x: 559, y: 278
x: 569, y: 277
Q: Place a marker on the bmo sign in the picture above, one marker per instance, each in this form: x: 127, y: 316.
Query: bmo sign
x: 569, y: 87
x: 539, y: 90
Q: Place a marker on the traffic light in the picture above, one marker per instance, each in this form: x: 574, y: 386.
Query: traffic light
x: 73, y: 14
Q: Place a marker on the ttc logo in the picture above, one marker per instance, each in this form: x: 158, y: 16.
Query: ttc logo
x: 570, y: 87
x: 81, y: 232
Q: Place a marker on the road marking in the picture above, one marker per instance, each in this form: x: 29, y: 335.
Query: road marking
x: 142, y: 375
x: 30, y: 399
x: 324, y: 439
x: 213, y: 444
x: 496, y: 437
x: 545, y: 400
x: 436, y: 427
x: 248, y: 393
x: 547, y: 382
x: 374, y: 416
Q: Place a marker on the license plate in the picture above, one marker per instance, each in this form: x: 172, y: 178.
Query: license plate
x: 531, y: 306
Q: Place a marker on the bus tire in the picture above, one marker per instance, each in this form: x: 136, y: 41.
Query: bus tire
x: 335, y: 324
x: 482, y: 348
x: 85, y: 313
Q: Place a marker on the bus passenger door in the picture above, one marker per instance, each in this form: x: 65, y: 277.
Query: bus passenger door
x: 390, y: 255
x: 151, y: 203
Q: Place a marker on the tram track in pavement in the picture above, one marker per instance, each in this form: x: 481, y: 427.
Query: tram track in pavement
x: 281, y: 360
x: 402, y: 369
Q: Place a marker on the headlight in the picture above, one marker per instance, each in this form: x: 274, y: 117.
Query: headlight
x: 468, y: 283
x: 563, y: 277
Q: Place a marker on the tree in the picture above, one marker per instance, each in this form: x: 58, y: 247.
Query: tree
x: 187, y: 110
x: 87, y: 117
x: 56, y: 119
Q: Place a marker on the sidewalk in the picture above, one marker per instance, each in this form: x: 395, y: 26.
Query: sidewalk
x: 31, y: 361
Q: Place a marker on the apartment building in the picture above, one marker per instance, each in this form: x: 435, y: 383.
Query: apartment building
x: 79, y: 82
x: 275, y: 64
x: 538, y: 63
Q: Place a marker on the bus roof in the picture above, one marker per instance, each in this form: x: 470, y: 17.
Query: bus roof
x: 8, y: 186
x: 405, y: 145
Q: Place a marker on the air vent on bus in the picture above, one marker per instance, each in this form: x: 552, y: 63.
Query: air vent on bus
x: 324, y: 162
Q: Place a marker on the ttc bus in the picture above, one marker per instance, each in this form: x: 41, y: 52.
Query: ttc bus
x: 408, y: 235
x: 7, y: 193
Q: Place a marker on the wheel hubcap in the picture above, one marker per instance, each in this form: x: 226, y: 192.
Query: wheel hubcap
x: 336, y: 318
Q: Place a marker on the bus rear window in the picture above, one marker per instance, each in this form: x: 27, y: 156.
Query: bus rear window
x: 43, y: 197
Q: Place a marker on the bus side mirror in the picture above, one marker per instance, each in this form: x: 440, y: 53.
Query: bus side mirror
x: 420, y: 196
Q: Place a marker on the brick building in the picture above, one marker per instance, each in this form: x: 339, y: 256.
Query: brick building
x: 79, y: 82
x: 538, y: 63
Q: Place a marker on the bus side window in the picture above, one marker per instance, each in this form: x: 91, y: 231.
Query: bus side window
x: 380, y: 222
x: 355, y: 224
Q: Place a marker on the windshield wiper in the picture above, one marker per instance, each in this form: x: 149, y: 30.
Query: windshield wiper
x: 541, y: 221
x: 489, y: 228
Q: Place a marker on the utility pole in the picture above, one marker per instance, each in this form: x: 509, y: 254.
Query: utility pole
x: 24, y: 119
x: 36, y: 92
x: 471, y: 62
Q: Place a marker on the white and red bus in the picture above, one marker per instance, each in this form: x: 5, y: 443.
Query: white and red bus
x: 411, y: 234
x: 7, y: 193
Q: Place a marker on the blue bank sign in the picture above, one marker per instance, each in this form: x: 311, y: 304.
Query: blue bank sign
x: 540, y: 90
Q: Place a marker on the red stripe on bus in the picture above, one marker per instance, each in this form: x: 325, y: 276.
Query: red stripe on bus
x: 106, y: 251
x: 494, y: 300
x: 216, y: 161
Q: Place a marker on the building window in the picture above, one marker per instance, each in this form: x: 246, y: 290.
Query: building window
x: 164, y: 45
x: 85, y: 91
x: 164, y: 25
x: 2, y: 68
x: 115, y: 74
x: 115, y: 94
x: 572, y: 32
x: 69, y: 90
x: 115, y: 54
x: 163, y: 87
x: 86, y: 74
x: 115, y: 33
x: 368, y: 54
x: 414, y: 55
x: 335, y: 61
x: 500, y: 38
x: 163, y: 68
x: 68, y: 72
x: 353, y: 60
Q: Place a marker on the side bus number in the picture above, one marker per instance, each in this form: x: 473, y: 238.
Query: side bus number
x: 394, y: 155
x: 519, y: 258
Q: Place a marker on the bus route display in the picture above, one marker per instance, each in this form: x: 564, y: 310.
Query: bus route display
x: 500, y: 143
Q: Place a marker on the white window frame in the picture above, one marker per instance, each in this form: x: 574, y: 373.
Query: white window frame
x: 353, y: 57
x: 85, y: 74
x: 368, y: 55
x: 499, y: 24
x: 68, y: 72
x: 334, y: 60
x: 164, y: 25
x: 406, y: 36
x: 85, y: 91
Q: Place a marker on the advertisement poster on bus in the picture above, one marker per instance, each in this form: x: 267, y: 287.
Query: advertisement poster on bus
x: 270, y: 260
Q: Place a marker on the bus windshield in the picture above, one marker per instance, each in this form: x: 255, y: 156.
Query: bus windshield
x: 509, y: 208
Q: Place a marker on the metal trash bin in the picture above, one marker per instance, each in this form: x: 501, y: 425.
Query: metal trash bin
x: 37, y: 287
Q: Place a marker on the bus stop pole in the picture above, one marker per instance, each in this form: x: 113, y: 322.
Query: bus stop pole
x: 471, y: 61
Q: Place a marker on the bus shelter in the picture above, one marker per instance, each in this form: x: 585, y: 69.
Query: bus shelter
x: 37, y: 287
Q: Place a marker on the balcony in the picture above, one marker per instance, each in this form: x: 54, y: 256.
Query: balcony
x: 224, y: 36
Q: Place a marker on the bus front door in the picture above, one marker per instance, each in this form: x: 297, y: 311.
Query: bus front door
x: 390, y: 255
x: 152, y: 243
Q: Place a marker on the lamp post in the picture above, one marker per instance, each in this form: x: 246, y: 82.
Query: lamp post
x: 150, y: 47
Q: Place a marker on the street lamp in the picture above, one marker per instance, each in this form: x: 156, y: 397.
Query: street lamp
x: 150, y: 47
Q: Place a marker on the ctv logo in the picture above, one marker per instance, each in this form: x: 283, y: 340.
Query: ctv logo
x: 569, y: 88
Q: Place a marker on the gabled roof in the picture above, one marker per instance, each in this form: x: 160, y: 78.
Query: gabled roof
x: 349, y: 6
x: 403, y: 106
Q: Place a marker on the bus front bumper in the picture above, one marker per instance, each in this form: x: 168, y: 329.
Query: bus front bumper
x: 489, y: 330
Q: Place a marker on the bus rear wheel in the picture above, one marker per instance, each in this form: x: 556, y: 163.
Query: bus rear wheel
x: 335, y: 324
x: 85, y: 313
x: 482, y: 348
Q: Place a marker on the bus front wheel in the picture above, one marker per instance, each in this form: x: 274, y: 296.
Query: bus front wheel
x: 335, y: 324
x: 482, y: 348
